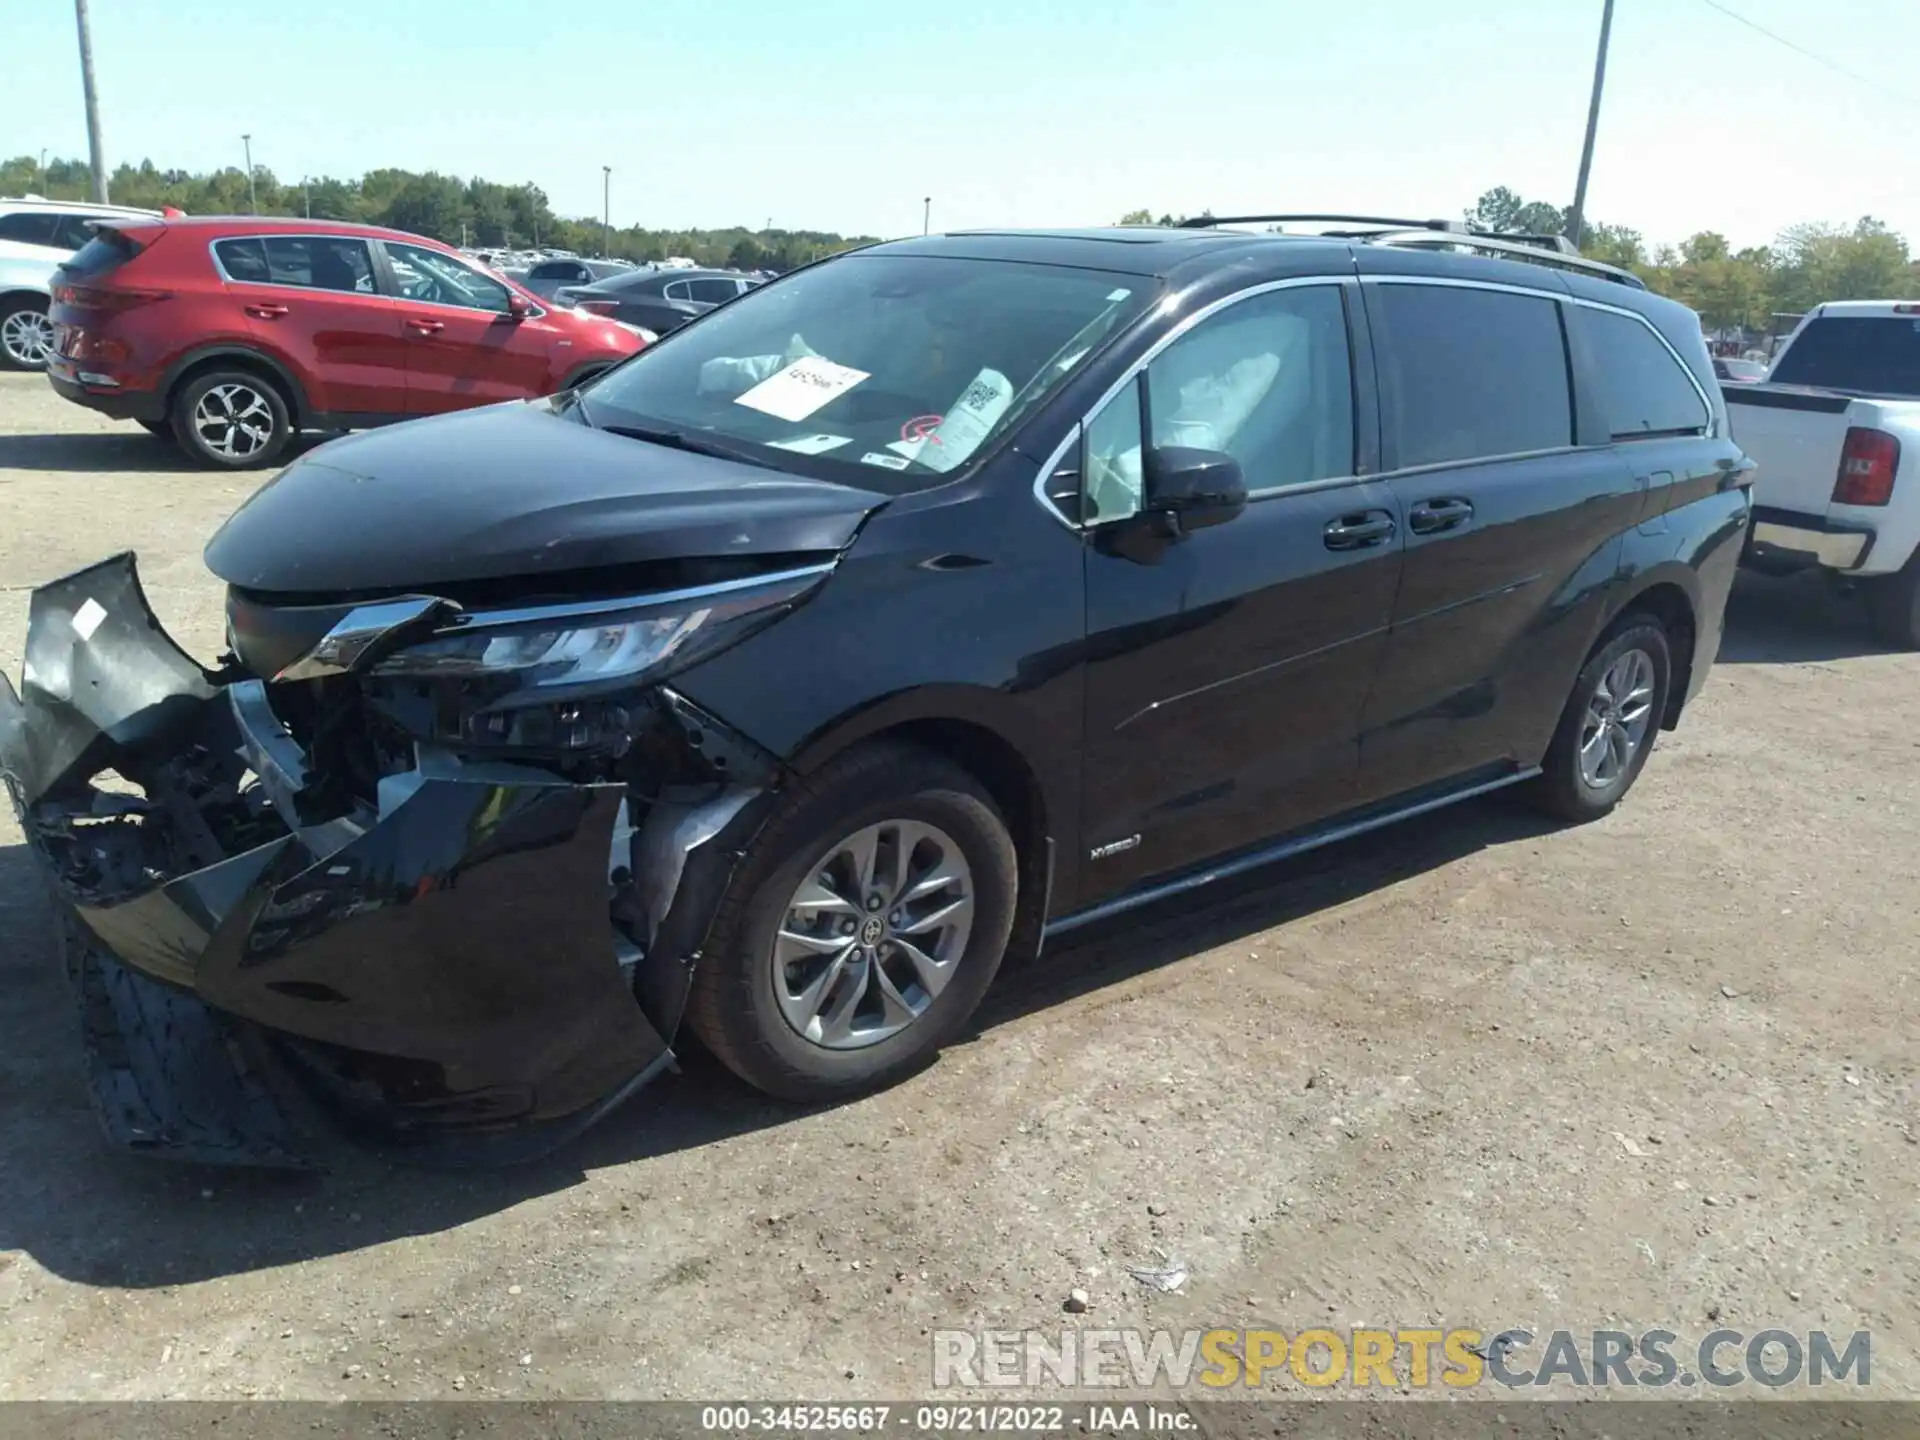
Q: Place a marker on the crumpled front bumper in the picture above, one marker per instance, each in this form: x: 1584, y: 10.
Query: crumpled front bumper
x: 442, y: 970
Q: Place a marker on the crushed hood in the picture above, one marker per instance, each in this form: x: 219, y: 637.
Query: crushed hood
x: 508, y: 491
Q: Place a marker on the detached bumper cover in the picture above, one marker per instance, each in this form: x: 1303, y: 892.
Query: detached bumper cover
x: 443, y: 969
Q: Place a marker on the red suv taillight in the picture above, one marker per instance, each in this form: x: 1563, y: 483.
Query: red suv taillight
x: 93, y: 297
x: 1868, y: 462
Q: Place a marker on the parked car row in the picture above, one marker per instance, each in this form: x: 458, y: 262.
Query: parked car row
x: 659, y: 301
x: 778, y: 684
x: 230, y: 335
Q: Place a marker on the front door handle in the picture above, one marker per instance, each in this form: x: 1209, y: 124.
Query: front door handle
x: 266, y: 311
x: 426, y: 327
x: 1430, y: 517
x: 1360, y: 531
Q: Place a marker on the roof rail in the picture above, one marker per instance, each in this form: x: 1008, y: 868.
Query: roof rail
x: 1555, y: 250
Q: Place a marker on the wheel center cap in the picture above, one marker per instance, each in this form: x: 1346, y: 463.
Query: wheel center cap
x: 871, y: 932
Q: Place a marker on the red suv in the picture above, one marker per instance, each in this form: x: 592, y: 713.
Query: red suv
x: 232, y: 334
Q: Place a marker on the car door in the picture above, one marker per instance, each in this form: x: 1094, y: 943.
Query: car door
x: 312, y: 302
x: 1226, y: 673
x: 465, y: 345
x: 1514, y: 527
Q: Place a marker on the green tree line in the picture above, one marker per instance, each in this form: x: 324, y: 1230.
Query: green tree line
x: 477, y: 212
x: 1806, y: 264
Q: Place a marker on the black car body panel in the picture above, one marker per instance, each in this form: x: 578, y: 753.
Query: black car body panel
x: 476, y: 952
x: 347, y: 518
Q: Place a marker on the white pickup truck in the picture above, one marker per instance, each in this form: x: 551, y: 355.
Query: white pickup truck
x: 1835, y: 430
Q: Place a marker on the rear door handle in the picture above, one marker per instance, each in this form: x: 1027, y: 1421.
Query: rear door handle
x: 266, y: 311
x: 1358, y: 532
x: 427, y: 327
x: 1430, y: 517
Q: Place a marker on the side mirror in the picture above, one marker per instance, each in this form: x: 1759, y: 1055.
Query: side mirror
x: 517, y: 306
x: 1192, y: 488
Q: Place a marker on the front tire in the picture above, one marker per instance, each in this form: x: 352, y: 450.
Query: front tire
x: 1608, y: 727
x: 862, y: 927
x: 26, y: 334
x: 231, y: 420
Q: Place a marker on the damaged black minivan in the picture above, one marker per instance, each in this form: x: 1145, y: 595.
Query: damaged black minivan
x: 781, y: 681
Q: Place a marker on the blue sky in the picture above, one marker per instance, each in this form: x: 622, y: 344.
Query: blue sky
x: 843, y: 114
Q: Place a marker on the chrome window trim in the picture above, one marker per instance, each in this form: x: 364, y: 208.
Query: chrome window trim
x: 1205, y: 312
x: 213, y: 254
x: 587, y: 609
x: 1709, y: 432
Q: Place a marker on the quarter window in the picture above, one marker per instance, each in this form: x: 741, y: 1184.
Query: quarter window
x: 1467, y: 373
x: 1643, y: 390
x: 712, y: 292
x: 427, y: 275
x: 1268, y: 381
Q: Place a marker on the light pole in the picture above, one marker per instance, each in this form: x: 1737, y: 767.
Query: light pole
x: 306, y: 194
x: 96, y: 153
x: 253, y: 196
x: 1577, y: 221
x: 926, y: 215
x: 606, y: 211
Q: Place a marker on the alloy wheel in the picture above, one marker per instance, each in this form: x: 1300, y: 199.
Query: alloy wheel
x: 27, y: 337
x: 1619, y: 715
x: 233, y: 421
x: 873, y: 934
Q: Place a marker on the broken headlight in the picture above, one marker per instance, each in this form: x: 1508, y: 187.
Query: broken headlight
x: 562, y: 677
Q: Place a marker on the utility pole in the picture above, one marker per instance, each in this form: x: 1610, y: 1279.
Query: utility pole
x: 606, y: 211
x: 306, y: 191
x: 96, y: 152
x: 253, y: 196
x: 926, y: 215
x: 1577, y: 222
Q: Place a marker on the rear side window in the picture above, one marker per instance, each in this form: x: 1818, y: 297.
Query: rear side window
x: 107, y: 250
x: 712, y: 292
x: 1878, y: 355
x: 29, y: 227
x: 1470, y: 373
x: 316, y: 263
x: 1644, y: 391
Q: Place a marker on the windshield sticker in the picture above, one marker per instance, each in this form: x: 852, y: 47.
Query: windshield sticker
x: 811, y: 444
x: 802, y: 388
x: 731, y: 374
x: 959, y: 433
x: 1118, y: 295
x: 886, y: 462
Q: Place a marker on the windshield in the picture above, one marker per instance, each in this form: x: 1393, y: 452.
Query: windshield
x: 887, y: 371
x: 1874, y: 354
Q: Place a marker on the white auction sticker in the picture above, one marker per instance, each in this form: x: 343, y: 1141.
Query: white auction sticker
x: 802, y: 388
x: 886, y: 462
x: 810, y: 444
x: 87, y: 619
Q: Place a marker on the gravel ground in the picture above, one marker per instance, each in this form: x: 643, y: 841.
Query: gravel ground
x: 1657, y: 1071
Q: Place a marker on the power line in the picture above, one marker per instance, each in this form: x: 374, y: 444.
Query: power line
x: 1805, y: 53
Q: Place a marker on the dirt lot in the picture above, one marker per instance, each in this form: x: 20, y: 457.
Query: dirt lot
x: 1474, y: 1071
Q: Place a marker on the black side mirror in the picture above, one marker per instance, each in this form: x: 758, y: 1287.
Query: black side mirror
x: 1194, y: 488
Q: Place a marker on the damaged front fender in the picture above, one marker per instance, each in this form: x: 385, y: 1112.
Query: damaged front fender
x: 439, y: 964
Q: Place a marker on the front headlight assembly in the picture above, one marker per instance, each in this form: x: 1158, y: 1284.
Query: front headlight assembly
x: 558, y: 676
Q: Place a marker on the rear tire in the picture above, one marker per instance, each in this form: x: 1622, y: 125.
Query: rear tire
x: 231, y: 419
x: 781, y: 933
x: 26, y: 335
x: 1893, y: 603
x: 1608, y: 727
